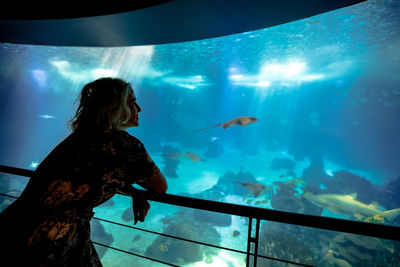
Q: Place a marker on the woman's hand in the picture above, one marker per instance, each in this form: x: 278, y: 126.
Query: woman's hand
x: 140, y: 206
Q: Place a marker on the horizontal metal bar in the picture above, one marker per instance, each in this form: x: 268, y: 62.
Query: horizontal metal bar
x: 151, y: 259
x: 199, y: 243
x: 16, y: 171
x: 5, y: 195
x: 103, y: 245
x: 333, y: 224
x: 170, y: 236
x: 134, y: 254
x: 184, y: 239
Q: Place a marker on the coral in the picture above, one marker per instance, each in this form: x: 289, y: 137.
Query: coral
x: 226, y: 185
x: 286, y: 198
x: 226, y: 182
x: 297, y: 244
x: 389, y: 194
x: 170, y: 167
x: 127, y: 215
x: 314, y: 175
x: 330, y: 260
x: 214, y: 218
x: 177, y: 251
x: 309, y: 246
x: 344, y: 182
x: 183, y: 224
x: 363, y: 251
x: 99, y: 234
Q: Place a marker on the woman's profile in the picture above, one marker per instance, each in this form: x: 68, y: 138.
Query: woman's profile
x: 49, y: 224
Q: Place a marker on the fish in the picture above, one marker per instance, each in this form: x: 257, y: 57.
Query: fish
x: 192, y: 156
x: 255, y: 188
x: 136, y: 238
x: 377, y: 218
x: 265, y: 201
x: 213, y: 139
x: 163, y: 248
x: 240, y: 121
x: 46, y: 116
x: 295, y: 181
x: 313, y: 21
x: 235, y: 233
x: 169, y: 155
x: 348, y: 205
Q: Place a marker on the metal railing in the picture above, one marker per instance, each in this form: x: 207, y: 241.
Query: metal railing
x: 253, y: 213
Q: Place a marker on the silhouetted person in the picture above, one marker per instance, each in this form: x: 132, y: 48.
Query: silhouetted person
x: 48, y: 225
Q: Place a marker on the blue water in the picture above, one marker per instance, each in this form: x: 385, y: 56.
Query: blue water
x: 325, y: 91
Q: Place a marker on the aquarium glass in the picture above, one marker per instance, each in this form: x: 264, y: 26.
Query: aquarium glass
x: 301, y: 117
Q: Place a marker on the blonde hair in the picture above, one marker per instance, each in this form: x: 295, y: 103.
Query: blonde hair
x: 102, y: 105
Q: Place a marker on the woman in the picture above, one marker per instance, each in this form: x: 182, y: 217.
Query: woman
x: 48, y: 225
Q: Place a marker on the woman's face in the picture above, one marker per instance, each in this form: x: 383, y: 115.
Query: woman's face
x: 134, y: 108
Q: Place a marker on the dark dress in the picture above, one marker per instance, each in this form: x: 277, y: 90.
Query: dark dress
x: 49, y: 224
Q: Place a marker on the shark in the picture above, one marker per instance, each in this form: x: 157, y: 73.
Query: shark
x: 348, y: 205
x: 240, y: 121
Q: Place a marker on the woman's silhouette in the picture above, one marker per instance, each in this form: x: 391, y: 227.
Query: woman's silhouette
x: 48, y: 225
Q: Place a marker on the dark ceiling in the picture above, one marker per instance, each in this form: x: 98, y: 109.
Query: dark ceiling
x: 148, y: 22
x: 34, y: 10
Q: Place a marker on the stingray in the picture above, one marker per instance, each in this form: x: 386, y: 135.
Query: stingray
x: 241, y: 121
x: 255, y: 188
x: 194, y: 157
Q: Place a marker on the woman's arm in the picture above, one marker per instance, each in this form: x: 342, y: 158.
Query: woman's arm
x: 157, y: 183
x: 140, y: 205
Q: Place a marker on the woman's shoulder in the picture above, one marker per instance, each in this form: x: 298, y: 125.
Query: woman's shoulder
x: 124, y: 135
x: 124, y: 139
x: 120, y: 137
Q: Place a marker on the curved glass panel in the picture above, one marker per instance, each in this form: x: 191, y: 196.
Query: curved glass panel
x: 325, y: 92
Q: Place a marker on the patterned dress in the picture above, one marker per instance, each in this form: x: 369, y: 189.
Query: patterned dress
x: 49, y: 224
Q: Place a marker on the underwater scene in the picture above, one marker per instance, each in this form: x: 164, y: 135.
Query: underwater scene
x: 301, y: 117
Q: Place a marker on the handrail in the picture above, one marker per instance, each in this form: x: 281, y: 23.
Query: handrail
x: 333, y: 224
x: 179, y: 238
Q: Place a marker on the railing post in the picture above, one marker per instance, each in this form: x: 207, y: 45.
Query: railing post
x: 249, y: 243
x: 254, y: 240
